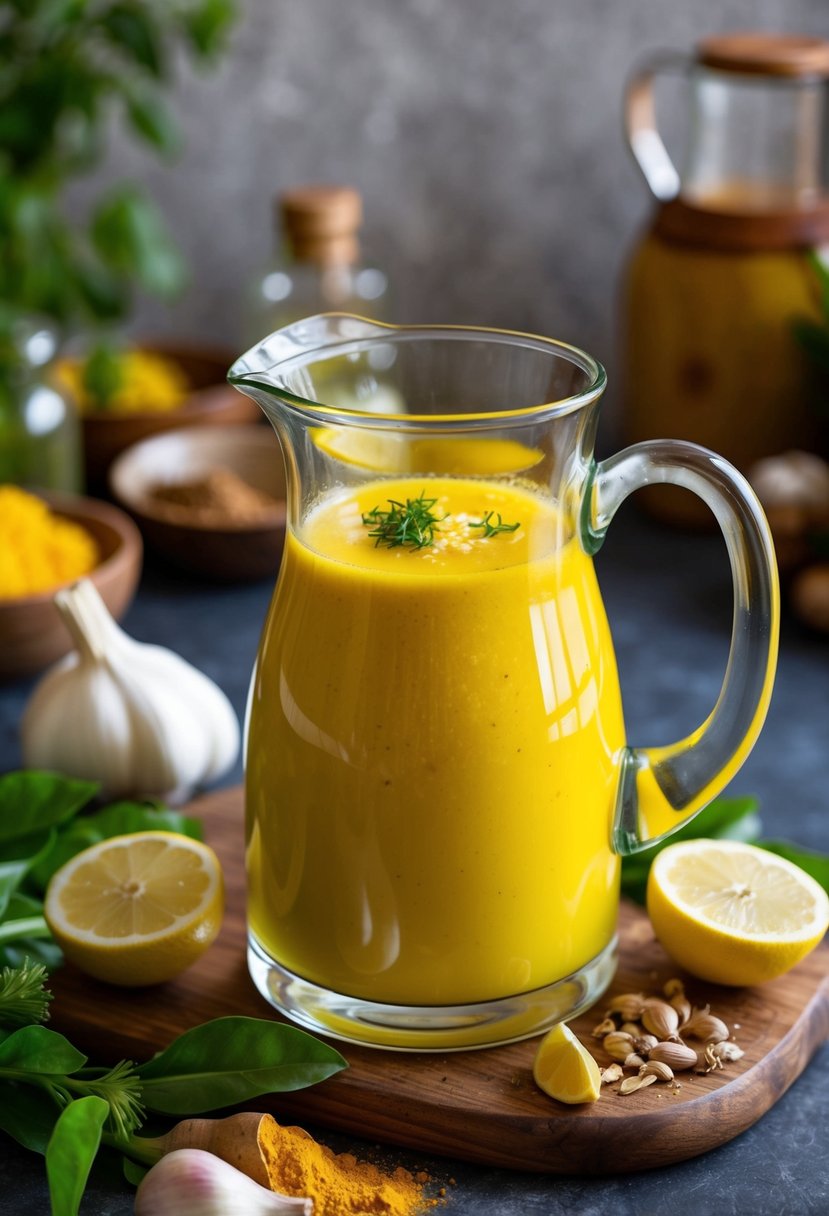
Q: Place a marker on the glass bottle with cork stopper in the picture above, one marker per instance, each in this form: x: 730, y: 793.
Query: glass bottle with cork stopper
x: 715, y: 287
x: 320, y: 268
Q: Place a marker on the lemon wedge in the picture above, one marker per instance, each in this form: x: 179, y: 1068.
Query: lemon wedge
x: 565, y: 1069
x: 734, y: 913
x: 138, y: 909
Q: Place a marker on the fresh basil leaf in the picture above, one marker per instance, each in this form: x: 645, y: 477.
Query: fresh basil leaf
x: 119, y: 819
x: 816, y: 864
x: 231, y: 1060
x: 11, y: 875
x: 27, y: 1114
x: 25, y: 934
x: 71, y: 1150
x: 17, y: 857
x: 32, y: 800
x: 42, y: 1051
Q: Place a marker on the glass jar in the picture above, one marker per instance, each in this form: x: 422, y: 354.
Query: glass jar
x: 714, y: 288
x: 40, y: 442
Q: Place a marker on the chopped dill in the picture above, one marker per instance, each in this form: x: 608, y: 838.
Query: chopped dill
x: 492, y: 529
x: 410, y: 523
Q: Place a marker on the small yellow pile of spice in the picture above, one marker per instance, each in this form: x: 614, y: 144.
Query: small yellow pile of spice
x: 147, y: 383
x: 39, y: 550
x: 339, y: 1184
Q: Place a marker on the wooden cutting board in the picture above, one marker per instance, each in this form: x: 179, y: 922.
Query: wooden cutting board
x: 479, y: 1106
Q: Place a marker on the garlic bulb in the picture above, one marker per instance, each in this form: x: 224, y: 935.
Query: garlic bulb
x: 191, y: 1182
x: 137, y: 718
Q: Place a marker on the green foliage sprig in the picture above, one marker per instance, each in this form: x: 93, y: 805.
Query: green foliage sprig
x: 68, y: 69
x: 52, y: 1102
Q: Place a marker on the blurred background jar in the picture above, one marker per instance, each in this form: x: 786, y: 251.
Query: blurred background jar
x: 319, y: 265
x: 715, y: 288
x: 320, y: 268
x: 40, y: 443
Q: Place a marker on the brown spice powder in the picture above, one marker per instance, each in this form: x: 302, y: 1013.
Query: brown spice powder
x: 220, y: 497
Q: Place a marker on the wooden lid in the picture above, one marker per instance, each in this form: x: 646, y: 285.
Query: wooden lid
x: 321, y: 222
x: 757, y: 54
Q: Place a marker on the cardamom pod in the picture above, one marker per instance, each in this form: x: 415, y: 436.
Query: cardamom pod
x: 660, y: 1018
x: 631, y: 1084
x: 643, y: 1043
x: 703, y: 1025
x: 682, y: 1005
x: 628, y: 1006
x: 676, y: 1055
x: 661, y: 1071
x: 618, y: 1045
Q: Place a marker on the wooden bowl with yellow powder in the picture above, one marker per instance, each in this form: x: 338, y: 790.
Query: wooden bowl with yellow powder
x: 166, y: 387
x: 48, y: 541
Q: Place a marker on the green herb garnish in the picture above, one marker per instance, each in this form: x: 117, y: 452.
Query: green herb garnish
x: 492, y: 529
x: 410, y: 523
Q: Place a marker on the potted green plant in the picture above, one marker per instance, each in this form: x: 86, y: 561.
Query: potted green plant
x: 69, y: 69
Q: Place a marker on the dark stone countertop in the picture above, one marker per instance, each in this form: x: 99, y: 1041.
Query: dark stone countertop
x: 668, y: 599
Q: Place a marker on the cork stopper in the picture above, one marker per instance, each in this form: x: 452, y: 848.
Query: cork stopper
x: 756, y: 54
x: 321, y: 223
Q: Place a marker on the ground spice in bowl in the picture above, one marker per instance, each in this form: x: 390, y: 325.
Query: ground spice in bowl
x: 39, y: 549
x: 218, y: 499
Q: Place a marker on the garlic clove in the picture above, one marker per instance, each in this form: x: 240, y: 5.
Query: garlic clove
x: 191, y: 1182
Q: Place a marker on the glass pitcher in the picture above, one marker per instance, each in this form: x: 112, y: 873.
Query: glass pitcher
x: 713, y: 289
x: 438, y: 782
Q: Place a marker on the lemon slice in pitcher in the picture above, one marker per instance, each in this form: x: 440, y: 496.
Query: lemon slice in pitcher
x: 565, y: 1069
x: 137, y: 909
x: 734, y: 913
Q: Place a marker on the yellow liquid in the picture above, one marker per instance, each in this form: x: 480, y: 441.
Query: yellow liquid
x: 431, y: 760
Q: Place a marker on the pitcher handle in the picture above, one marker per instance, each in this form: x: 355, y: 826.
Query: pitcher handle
x: 640, y: 123
x: 661, y: 788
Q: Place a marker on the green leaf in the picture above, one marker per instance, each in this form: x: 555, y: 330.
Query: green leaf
x: 71, y: 1150
x: 130, y: 28
x: 32, y: 800
x: 28, y: 1114
x: 815, y: 341
x: 152, y: 120
x: 24, y: 917
x: 722, y: 819
x: 816, y: 864
x: 207, y: 23
x: 17, y: 857
x: 119, y: 819
x: 232, y: 1060
x: 129, y: 234
x: 35, y: 1049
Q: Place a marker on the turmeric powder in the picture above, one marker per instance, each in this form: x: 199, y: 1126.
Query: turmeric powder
x: 339, y: 1184
x: 148, y: 383
x: 39, y: 550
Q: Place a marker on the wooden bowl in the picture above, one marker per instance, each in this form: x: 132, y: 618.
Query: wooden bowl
x: 233, y: 551
x: 32, y: 634
x: 212, y: 402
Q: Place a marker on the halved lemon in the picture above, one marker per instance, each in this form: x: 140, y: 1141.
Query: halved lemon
x: 138, y: 909
x: 565, y: 1069
x: 734, y: 913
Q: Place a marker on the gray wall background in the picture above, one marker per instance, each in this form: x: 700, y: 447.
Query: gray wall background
x: 485, y: 135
